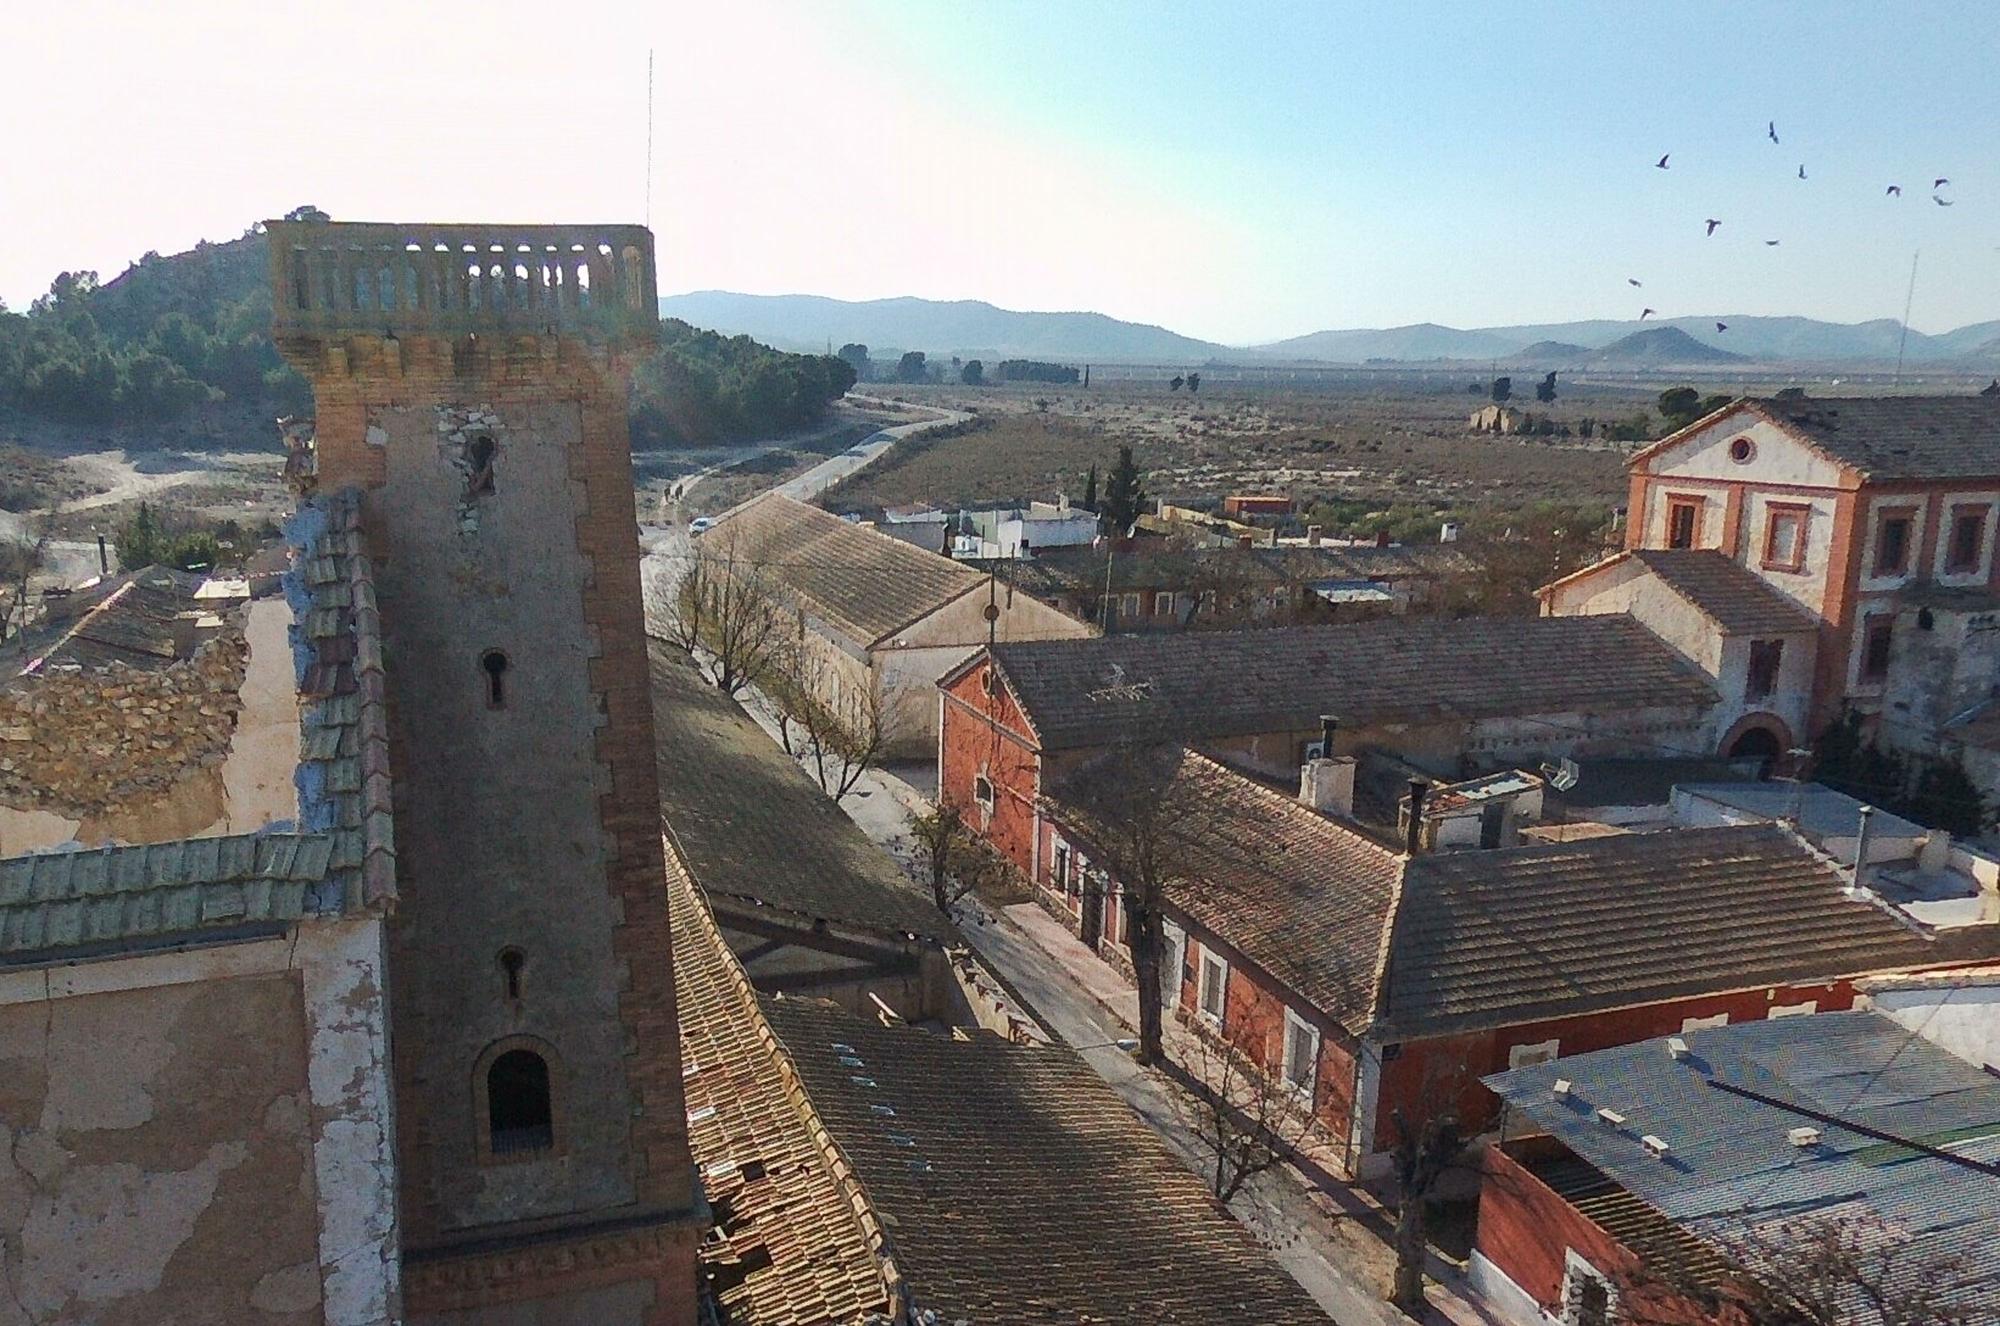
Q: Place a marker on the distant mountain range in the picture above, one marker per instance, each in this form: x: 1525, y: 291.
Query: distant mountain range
x: 968, y: 328
x: 973, y: 329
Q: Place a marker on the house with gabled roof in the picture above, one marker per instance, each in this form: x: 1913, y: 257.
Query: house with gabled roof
x: 887, y: 618
x: 1447, y: 699
x: 806, y: 900
x: 1373, y: 981
x: 1876, y: 518
x: 859, y: 1171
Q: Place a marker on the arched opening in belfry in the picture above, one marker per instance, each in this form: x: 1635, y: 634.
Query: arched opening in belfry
x: 520, y: 1114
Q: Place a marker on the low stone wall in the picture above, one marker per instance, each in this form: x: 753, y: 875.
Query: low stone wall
x: 84, y: 743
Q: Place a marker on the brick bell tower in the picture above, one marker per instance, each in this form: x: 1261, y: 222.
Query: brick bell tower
x: 471, y: 382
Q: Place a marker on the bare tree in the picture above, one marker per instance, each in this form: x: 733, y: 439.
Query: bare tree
x: 1427, y: 1147
x: 1143, y: 811
x: 1843, y: 1268
x: 949, y: 857
x: 727, y: 615
x: 20, y: 558
x: 839, y: 731
x: 1248, y: 1121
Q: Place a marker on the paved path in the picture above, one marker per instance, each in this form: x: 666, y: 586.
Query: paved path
x: 833, y: 469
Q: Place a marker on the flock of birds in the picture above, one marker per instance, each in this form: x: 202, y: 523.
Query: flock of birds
x: 1771, y: 132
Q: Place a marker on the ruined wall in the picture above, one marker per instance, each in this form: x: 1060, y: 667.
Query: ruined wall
x: 85, y: 744
x: 159, y: 1146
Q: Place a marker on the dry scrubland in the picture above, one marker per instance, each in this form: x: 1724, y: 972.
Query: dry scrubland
x: 1372, y: 445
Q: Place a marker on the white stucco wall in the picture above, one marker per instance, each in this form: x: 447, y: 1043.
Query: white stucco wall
x: 1961, y: 1018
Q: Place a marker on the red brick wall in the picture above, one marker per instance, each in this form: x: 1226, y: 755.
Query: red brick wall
x: 982, y: 733
x: 1440, y: 1067
x: 1254, y: 1021
x: 1525, y: 1230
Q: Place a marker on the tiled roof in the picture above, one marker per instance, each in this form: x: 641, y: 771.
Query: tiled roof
x: 343, y: 772
x: 1732, y: 1170
x: 125, y: 619
x: 1157, y: 564
x: 1015, y: 1187
x: 789, y: 1247
x: 1297, y: 894
x: 1728, y: 593
x: 1491, y: 938
x: 1899, y: 437
x: 1092, y: 692
x: 865, y: 584
x: 56, y: 901
x: 751, y: 824
x: 339, y: 857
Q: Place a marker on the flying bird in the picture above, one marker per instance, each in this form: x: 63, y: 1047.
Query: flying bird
x: 1712, y: 224
x: 1770, y: 243
x: 1644, y: 314
x: 1941, y: 202
x: 1939, y: 182
x: 1772, y: 131
x: 1661, y: 164
x: 1895, y: 191
x: 1722, y: 326
x: 1802, y: 170
x: 1631, y: 280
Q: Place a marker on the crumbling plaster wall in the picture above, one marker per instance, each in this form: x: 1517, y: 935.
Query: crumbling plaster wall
x: 201, y: 1136
x: 158, y: 1146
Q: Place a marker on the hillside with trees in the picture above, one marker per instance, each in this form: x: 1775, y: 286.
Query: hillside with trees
x: 185, y: 339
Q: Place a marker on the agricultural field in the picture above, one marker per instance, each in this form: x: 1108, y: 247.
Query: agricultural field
x: 1329, y: 447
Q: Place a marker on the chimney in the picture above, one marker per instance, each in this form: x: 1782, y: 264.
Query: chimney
x: 1381, y: 538
x: 1246, y: 541
x: 1448, y: 532
x: 1312, y: 536
x: 1414, y: 833
x: 1326, y: 783
x: 1861, y: 848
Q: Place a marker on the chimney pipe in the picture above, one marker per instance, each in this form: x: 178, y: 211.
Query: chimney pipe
x: 103, y: 558
x: 1328, y: 724
x: 1861, y: 848
x: 1414, y: 836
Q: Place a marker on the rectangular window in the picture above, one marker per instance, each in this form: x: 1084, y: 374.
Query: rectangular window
x: 1704, y: 1024
x: 1114, y: 916
x: 1059, y: 866
x: 1875, y: 648
x: 1892, y: 542
x: 1214, y: 992
x: 982, y: 792
x: 1765, y: 658
x: 1524, y: 1056
x: 1785, y: 537
x: 1163, y: 604
x: 1683, y: 522
x: 1968, y: 540
x: 1128, y: 606
x: 1794, y: 1010
x: 1301, y: 1054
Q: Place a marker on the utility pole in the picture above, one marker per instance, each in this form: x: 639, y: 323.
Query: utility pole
x: 1104, y: 613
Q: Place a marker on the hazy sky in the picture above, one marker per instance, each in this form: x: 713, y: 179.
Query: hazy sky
x: 1239, y: 171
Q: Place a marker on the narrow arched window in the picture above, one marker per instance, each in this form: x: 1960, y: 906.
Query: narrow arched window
x: 519, y: 1113
x: 493, y: 663
x: 512, y: 963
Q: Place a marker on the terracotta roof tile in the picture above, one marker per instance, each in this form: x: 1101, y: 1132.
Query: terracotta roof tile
x: 1899, y: 437
x: 864, y: 584
x: 751, y: 824
x: 1091, y: 692
x: 1014, y: 1186
x: 1728, y: 593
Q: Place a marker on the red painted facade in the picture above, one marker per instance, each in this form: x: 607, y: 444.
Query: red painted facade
x: 982, y: 734
x: 1422, y: 1069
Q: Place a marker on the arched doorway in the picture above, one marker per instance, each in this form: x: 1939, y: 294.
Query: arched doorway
x: 1758, y: 743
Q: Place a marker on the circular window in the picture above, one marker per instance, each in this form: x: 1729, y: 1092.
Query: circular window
x: 1741, y: 450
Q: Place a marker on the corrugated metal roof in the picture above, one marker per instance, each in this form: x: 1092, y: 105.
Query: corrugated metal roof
x: 1731, y: 1167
